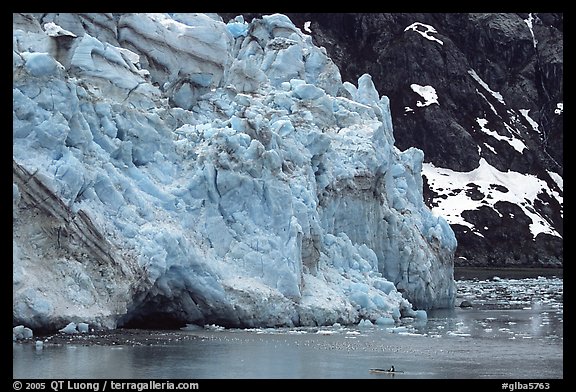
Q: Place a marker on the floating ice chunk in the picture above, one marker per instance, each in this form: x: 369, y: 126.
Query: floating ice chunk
x: 27, y: 333
x: 39, y: 344
x: 295, y: 332
x: 82, y: 327
x: 410, y: 334
x: 326, y: 332
x: 21, y: 332
x: 385, y: 321
x: 69, y: 329
x: 421, y: 314
x: 459, y: 334
x: 365, y: 324
x: 214, y: 327
x: 191, y: 327
x: 17, y: 332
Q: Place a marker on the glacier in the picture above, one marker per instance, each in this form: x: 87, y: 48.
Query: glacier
x: 173, y: 169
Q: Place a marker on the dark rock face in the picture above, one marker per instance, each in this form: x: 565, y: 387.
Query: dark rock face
x: 498, y: 80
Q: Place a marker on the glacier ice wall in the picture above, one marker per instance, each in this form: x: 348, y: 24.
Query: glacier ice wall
x: 173, y: 168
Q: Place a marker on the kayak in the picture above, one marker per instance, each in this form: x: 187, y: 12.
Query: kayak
x: 388, y: 371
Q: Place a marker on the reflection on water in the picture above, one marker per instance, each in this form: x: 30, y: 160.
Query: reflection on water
x: 513, y: 330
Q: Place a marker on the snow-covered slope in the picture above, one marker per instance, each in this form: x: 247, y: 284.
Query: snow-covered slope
x: 174, y: 169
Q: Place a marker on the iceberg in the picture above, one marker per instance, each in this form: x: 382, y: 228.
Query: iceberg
x: 191, y: 171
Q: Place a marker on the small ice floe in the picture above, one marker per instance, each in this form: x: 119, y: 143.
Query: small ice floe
x: 73, y: 328
x: 385, y: 321
x: 401, y: 329
x: 296, y: 332
x: 407, y: 333
x: 460, y: 334
x: 69, y: 329
x: 191, y: 327
x: 421, y: 314
x: 39, y: 345
x: 365, y: 324
x: 326, y: 332
x: 214, y: 327
x: 21, y: 332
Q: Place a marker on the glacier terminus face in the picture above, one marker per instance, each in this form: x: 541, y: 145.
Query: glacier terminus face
x: 174, y: 168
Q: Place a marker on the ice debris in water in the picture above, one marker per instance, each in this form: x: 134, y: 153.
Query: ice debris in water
x: 73, y: 328
x: 365, y: 324
x: 69, y: 329
x: 21, y: 332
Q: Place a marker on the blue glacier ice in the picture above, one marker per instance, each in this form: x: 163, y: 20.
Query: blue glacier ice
x: 176, y: 166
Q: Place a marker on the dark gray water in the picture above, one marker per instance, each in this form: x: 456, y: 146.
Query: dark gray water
x: 514, y: 330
